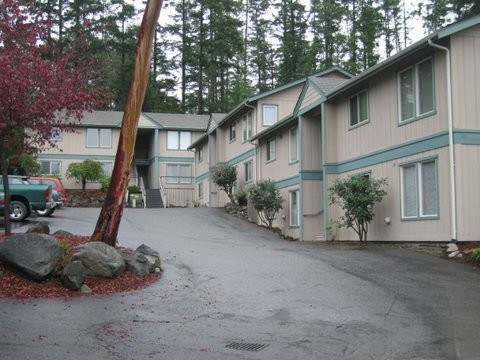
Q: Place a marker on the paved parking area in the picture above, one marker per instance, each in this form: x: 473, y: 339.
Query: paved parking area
x: 232, y: 290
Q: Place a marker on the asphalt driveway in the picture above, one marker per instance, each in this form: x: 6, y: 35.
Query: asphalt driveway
x: 232, y: 290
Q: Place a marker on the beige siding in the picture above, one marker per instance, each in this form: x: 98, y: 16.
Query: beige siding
x: 311, y: 143
x: 465, y: 55
x: 313, y: 211
x: 279, y: 168
x: 468, y: 191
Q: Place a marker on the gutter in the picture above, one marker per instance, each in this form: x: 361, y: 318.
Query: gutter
x: 451, y: 150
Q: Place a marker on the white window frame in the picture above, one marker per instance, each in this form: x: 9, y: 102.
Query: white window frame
x: 58, y: 164
x: 99, y: 138
x: 270, y: 114
x: 248, y: 168
x: 417, y: 101
x: 293, y: 156
x: 247, y: 126
x: 178, y: 179
x: 200, y: 154
x: 232, y: 132
x: 271, y: 150
x: 176, y: 139
x: 419, y: 211
x: 294, y: 213
x: 356, y: 109
x: 200, y: 190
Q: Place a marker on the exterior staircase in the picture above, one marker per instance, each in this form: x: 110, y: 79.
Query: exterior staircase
x: 153, y: 198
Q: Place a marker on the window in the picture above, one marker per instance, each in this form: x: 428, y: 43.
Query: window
x: 248, y: 171
x: 56, y: 134
x: 99, y: 138
x: 179, y: 174
x: 200, y: 154
x: 51, y: 167
x: 247, y: 126
x: 179, y: 140
x: 293, y: 208
x: 417, y: 97
x: 270, y: 114
x: 419, y: 186
x: 233, y: 133
x: 271, y: 149
x: 293, y: 145
x: 200, y: 190
x: 359, y: 108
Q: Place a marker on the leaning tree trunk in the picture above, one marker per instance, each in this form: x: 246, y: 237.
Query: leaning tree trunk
x: 108, y: 221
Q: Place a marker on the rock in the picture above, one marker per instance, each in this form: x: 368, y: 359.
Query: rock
x: 452, y: 247
x: 62, y: 232
x: 137, y: 263
x: 100, y: 259
x: 40, y: 228
x: 152, y: 256
x: 35, y: 255
x: 85, y: 289
x: 454, y: 254
x: 73, y: 276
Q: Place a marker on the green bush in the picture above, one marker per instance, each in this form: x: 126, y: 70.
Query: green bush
x: 224, y: 176
x: 241, y: 197
x: 476, y: 254
x: 267, y: 201
x: 105, y: 183
x: 134, y: 189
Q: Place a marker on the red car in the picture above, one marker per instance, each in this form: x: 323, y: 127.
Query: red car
x: 56, y: 186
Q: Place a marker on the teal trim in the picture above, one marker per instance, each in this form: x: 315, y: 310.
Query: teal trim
x: 63, y: 156
x: 324, y: 172
x: 301, y: 192
x: 202, y: 177
x: 285, y: 183
x: 466, y: 136
x: 432, y: 142
x: 311, y: 175
x: 156, y: 170
x: 175, y: 159
x: 428, y: 143
x: 458, y: 26
x: 242, y: 157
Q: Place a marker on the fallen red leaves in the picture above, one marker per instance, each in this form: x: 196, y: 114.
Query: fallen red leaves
x: 13, y: 285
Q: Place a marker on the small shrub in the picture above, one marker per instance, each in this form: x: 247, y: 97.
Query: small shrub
x: 105, y: 183
x: 266, y: 200
x: 241, y: 197
x: 224, y: 176
x: 476, y: 254
x: 133, y: 189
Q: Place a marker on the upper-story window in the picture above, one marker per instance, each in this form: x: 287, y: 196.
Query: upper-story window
x: 271, y: 151
x: 179, y: 140
x: 233, y: 132
x: 200, y: 154
x: 270, y: 114
x: 416, y: 90
x: 359, y: 108
x: 247, y: 126
x: 99, y: 137
x: 293, y: 144
x: 248, y: 171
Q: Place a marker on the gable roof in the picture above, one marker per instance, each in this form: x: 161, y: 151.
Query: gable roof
x: 179, y: 121
x: 109, y: 119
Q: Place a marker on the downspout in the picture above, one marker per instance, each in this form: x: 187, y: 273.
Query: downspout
x: 451, y: 150
x: 300, y: 200
x: 324, y: 168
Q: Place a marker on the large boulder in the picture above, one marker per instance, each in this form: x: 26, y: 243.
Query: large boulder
x: 73, y: 275
x: 35, y: 255
x: 100, y: 259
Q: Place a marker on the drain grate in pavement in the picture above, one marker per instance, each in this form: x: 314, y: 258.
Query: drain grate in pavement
x: 246, y: 346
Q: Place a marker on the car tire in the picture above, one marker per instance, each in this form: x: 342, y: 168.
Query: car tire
x: 46, y: 212
x: 18, y: 211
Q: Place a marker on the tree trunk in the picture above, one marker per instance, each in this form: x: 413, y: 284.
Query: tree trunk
x: 108, y: 221
x: 6, y: 188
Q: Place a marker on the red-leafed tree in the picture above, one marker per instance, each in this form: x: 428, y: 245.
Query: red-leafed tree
x: 41, y: 88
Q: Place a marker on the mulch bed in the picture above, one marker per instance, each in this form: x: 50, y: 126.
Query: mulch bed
x: 13, y: 285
